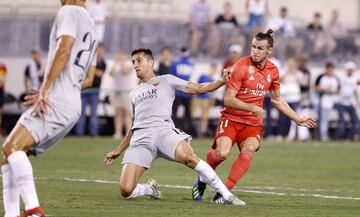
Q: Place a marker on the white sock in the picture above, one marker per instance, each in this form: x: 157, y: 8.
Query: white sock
x: 208, y: 175
x: 11, y: 194
x: 23, y: 172
x: 142, y: 190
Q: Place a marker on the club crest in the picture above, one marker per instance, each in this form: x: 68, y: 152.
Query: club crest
x: 156, y: 83
x: 251, y: 70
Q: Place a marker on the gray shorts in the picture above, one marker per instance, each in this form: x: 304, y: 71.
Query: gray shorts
x: 148, y: 144
x: 47, y: 131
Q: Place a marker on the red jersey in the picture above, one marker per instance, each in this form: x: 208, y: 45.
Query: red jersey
x: 251, y: 84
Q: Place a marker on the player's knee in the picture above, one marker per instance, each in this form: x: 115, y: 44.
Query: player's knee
x: 3, y: 159
x: 223, y: 153
x: 8, y: 148
x: 126, y: 190
x: 250, y: 147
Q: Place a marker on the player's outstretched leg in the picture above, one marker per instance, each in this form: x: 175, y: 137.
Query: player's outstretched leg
x: 184, y: 154
x: 232, y: 200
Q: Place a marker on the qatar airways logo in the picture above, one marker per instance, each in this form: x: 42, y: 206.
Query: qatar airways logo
x: 259, y: 91
x: 149, y: 94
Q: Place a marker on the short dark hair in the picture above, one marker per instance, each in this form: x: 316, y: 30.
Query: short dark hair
x: 266, y: 36
x: 147, y: 52
x: 329, y: 65
x: 166, y: 48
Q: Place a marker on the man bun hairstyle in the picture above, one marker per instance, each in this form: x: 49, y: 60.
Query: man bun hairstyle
x: 266, y: 36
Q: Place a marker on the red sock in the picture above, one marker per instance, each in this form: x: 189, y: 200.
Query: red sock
x: 238, y: 169
x: 213, y: 158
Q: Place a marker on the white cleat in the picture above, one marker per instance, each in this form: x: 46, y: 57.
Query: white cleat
x: 233, y: 200
x: 157, y: 194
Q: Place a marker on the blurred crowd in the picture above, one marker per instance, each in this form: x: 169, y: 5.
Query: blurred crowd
x: 331, y: 95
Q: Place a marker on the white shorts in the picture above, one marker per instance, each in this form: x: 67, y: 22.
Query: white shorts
x: 148, y: 144
x: 47, y: 131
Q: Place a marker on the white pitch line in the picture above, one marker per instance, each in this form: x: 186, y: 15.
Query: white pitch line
x: 236, y: 190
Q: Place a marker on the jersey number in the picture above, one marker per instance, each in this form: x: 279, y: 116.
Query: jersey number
x: 83, y: 52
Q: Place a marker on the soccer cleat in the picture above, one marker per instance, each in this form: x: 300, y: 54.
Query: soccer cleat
x: 232, y: 200
x: 35, y: 212
x: 157, y: 194
x: 198, y: 190
x: 218, y: 198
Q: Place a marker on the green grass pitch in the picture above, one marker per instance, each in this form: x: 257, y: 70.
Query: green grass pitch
x: 286, y: 179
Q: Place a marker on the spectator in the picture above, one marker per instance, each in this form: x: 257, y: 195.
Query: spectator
x: 3, y: 74
x: 34, y: 72
x: 99, y: 13
x: 200, y: 24
x: 328, y: 86
x: 348, y: 83
x: 306, y: 75
x: 226, y: 27
x: 282, y: 25
x: 284, y: 31
x: 256, y: 10
x: 291, y: 82
x: 91, y: 97
x: 316, y: 24
x: 124, y: 80
x: 166, y: 61
x: 235, y: 52
x: 183, y: 69
x: 344, y: 42
x: 204, y: 102
x: 334, y: 27
x: 319, y: 41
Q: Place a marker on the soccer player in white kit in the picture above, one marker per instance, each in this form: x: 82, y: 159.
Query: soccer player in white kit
x: 54, y: 109
x: 153, y: 133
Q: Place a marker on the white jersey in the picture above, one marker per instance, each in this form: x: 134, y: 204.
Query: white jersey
x: 72, y: 21
x: 152, y: 101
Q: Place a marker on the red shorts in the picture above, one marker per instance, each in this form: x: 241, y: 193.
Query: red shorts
x: 237, y: 132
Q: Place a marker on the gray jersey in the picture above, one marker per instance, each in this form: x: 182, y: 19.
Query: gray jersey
x: 153, y: 101
x: 72, y: 21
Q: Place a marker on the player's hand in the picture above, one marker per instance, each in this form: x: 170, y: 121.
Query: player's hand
x: 42, y: 102
x: 258, y: 112
x: 31, y: 98
x: 307, y: 122
x: 110, y: 157
x: 227, y: 73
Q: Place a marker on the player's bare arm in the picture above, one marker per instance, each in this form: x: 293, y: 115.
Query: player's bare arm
x: 284, y: 107
x: 111, y: 156
x: 196, y: 88
x: 231, y: 101
x: 89, y: 77
x: 61, y: 57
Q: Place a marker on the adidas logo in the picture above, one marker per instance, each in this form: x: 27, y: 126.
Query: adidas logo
x: 251, y: 78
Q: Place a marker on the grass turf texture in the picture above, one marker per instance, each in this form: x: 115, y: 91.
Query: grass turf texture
x: 296, y: 172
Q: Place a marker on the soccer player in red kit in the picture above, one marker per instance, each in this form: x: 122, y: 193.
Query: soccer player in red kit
x: 241, y: 117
